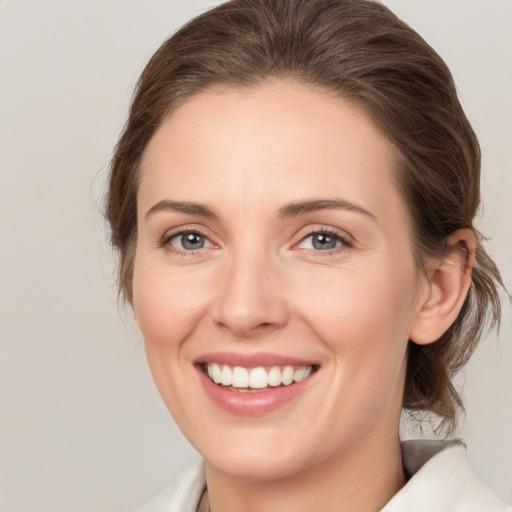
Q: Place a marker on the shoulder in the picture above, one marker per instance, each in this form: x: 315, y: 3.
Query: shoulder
x: 442, y: 479
x: 182, y: 495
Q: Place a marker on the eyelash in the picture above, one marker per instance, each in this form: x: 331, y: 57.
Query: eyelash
x: 164, y: 242
x: 166, y: 239
x: 346, y: 243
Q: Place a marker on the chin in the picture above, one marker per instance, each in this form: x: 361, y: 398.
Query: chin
x: 256, y: 456
x: 254, y: 466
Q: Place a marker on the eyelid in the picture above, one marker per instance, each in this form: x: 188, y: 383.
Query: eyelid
x: 346, y: 240
x: 177, y: 236
x: 164, y: 241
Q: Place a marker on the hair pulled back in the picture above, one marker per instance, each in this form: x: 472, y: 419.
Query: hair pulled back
x: 360, y: 51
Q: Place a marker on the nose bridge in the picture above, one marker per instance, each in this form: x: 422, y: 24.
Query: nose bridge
x: 249, y: 300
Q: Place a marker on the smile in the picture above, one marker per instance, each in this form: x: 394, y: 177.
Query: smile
x: 256, y: 379
x: 252, y: 385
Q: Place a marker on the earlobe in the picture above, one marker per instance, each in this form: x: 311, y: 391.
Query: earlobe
x: 445, y: 288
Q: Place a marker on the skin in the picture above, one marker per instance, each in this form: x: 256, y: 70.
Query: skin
x: 259, y: 285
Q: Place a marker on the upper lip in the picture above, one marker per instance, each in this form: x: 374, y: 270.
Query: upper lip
x: 264, y: 359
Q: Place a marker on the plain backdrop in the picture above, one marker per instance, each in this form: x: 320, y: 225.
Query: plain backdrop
x: 82, y: 427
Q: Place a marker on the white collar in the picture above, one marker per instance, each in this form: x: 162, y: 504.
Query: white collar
x: 440, y: 480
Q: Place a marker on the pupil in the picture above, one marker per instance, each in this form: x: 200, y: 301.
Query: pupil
x: 192, y: 241
x: 323, y: 242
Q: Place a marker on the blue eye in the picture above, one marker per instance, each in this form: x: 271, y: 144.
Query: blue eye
x: 323, y: 241
x: 189, y: 241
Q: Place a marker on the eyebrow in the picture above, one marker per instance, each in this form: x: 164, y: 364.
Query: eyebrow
x: 183, y: 207
x: 302, y: 207
x: 293, y: 209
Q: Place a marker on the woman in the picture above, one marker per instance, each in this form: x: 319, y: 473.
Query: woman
x: 293, y: 199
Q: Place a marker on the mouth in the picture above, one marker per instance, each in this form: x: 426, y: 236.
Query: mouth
x: 252, y: 385
x: 256, y: 380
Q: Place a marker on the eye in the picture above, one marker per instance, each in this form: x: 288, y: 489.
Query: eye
x: 188, y: 241
x: 323, y: 241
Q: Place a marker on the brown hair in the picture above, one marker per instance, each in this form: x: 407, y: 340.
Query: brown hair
x: 362, y: 52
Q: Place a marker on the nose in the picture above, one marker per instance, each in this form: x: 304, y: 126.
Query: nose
x: 251, y: 298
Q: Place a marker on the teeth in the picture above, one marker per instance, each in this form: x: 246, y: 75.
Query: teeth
x: 256, y: 378
x: 299, y: 374
x: 215, y: 373
x: 288, y: 374
x: 240, y: 377
x: 274, y: 376
x: 226, y: 376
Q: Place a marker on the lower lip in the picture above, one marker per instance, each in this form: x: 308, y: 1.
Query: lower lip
x: 251, y: 403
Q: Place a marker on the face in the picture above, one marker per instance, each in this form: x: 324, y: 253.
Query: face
x: 273, y: 253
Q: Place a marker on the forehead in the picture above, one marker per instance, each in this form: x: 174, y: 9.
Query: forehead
x: 279, y: 141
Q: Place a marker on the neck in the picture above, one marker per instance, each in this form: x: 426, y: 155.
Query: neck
x: 364, y: 477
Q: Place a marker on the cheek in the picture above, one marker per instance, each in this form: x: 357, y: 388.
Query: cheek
x: 169, y: 306
x: 363, y: 318
x: 167, y: 303
x: 358, y: 302
x: 364, y: 324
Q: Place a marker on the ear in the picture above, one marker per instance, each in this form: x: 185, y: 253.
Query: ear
x: 445, y: 287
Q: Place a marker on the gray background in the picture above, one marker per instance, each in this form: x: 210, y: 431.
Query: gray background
x: 81, y: 424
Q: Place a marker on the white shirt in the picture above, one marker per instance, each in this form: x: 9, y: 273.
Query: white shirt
x: 440, y: 480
